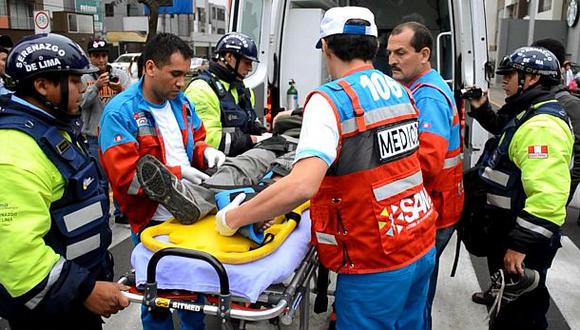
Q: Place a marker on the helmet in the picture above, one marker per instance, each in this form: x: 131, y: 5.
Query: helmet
x: 532, y: 60
x: 47, y: 52
x: 98, y: 45
x: 238, y: 43
x: 5, y: 43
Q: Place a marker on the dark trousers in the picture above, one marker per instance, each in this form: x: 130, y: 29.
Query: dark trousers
x: 80, y: 319
x: 529, y: 310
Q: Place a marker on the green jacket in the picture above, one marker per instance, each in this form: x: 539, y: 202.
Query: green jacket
x: 28, y: 186
x: 545, y: 179
x: 207, y: 106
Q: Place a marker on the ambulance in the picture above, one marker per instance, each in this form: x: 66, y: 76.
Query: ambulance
x: 286, y: 32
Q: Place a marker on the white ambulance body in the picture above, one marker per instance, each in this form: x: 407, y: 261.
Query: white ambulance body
x: 286, y: 32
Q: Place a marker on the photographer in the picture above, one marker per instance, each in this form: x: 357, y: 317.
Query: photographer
x: 101, y: 87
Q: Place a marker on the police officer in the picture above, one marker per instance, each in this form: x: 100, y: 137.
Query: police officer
x: 372, y: 219
x: 223, y: 102
x: 54, y: 203
x: 524, y: 171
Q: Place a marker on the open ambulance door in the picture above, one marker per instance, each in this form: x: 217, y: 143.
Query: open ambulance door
x: 254, y: 18
x: 470, y: 66
x: 286, y: 31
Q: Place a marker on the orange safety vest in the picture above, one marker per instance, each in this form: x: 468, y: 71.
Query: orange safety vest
x: 372, y: 212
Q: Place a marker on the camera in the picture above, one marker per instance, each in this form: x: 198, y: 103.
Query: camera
x: 112, y: 78
x: 471, y: 93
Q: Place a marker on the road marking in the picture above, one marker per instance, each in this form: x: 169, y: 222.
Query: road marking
x: 453, y: 308
x: 562, y: 282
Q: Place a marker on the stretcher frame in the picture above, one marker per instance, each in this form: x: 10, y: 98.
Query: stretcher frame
x: 283, y: 301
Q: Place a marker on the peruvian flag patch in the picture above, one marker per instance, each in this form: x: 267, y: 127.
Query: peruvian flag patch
x: 538, y: 152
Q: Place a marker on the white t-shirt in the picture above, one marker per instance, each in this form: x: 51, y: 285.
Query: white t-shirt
x: 175, y: 153
x: 319, y: 134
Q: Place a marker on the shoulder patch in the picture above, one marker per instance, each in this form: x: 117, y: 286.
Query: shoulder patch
x: 538, y: 152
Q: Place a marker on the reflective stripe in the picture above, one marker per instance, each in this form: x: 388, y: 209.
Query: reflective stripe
x: 83, y: 247
x: 324, y: 238
x: 452, y: 162
x: 83, y: 216
x: 228, y: 129
x: 496, y: 176
x: 146, y: 130
x: 377, y: 115
x: 535, y: 228
x: 289, y: 139
x: 52, y: 277
x: 393, y: 188
x: 134, y: 186
x: 499, y: 201
x: 227, y: 143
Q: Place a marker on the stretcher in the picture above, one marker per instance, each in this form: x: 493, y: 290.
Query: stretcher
x: 226, y: 295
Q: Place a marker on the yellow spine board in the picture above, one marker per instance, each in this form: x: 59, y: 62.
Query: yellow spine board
x: 202, y: 236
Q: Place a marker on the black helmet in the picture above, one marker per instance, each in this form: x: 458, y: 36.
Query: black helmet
x: 532, y: 60
x: 98, y: 45
x: 47, y: 52
x: 44, y: 53
x: 5, y: 43
x: 238, y: 43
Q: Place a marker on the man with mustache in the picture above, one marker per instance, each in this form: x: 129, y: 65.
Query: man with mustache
x: 410, y: 46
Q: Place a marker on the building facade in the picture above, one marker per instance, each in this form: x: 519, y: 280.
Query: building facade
x: 200, y: 23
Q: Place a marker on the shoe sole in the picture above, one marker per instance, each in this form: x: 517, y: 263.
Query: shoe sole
x: 157, y: 187
x: 482, y: 301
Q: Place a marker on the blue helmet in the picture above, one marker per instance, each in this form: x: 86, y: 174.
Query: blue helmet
x: 238, y: 43
x: 532, y: 60
x: 47, y: 52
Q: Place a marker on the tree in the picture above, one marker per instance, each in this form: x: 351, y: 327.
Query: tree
x: 153, y: 6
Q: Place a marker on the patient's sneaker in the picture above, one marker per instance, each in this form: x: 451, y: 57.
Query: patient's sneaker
x: 507, y: 288
x: 162, y: 186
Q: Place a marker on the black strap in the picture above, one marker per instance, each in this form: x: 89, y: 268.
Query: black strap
x: 322, y: 282
x: 456, y: 258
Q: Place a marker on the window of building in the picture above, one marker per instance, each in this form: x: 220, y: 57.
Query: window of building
x: 221, y: 14
x: 544, y: 5
x: 213, y: 13
x: 21, y: 15
x: 3, y: 11
x: 221, y: 31
x: 109, y: 10
x: 134, y: 10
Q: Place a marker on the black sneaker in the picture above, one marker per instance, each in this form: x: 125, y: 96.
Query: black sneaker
x: 483, y: 297
x: 517, y: 285
x: 162, y: 186
x: 507, y: 288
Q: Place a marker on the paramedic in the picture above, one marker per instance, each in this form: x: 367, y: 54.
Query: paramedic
x: 223, y: 102
x: 526, y: 177
x: 410, y: 45
x: 154, y: 118
x: 361, y: 202
x: 56, y: 269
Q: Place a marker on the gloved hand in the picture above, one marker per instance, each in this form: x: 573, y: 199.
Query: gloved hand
x: 193, y: 175
x: 221, y: 224
x: 214, y: 157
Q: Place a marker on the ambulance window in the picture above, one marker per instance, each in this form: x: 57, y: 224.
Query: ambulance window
x: 252, y: 19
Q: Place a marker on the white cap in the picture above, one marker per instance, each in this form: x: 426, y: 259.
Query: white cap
x: 334, y: 22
